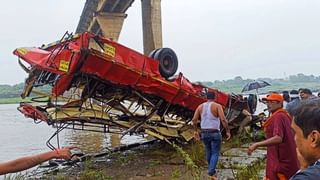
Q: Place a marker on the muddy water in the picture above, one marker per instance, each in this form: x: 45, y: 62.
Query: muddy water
x: 20, y: 136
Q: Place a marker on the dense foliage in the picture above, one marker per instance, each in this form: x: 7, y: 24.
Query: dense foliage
x: 7, y: 91
x: 292, y: 82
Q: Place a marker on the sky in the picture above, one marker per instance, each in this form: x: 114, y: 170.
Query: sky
x: 214, y: 39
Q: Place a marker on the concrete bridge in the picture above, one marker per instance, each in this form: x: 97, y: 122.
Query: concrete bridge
x: 106, y: 17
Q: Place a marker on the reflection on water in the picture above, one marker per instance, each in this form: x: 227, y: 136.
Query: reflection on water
x: 20, y: 136
x: 93, y: 142
x: 89, y: 142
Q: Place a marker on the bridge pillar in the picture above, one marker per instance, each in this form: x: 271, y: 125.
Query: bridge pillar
x: 111, y: 24
x: 151, y: 22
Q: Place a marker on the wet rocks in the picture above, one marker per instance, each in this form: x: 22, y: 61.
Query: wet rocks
x: 235, y: 162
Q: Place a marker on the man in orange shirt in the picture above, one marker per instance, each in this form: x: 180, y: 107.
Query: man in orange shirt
x: 282, y: 160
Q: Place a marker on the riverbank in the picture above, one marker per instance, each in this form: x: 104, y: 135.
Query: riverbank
x: 162, y: 161
x: 14, y: 100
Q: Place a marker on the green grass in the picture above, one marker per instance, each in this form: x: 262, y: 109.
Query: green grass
x: 251, y: 172
x: 14, y: 100
x: 89, y: 171
x: 239, y: 140
x: 92, y: 174
x: 195, y: 170
x: 176, y: 174
x: 197, y: 153
x: 124, y: 159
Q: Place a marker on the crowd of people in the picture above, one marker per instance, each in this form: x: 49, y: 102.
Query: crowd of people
x: 292, y: 135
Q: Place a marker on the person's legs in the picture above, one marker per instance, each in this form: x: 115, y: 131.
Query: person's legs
x: 243, y: 123
x: 207, y: 144
x: 215, y: 152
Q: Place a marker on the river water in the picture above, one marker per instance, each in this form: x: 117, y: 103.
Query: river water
x: 20, y: 136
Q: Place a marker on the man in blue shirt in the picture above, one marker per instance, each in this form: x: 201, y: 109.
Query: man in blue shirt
x: 294, y: 100
x: 306, y: 125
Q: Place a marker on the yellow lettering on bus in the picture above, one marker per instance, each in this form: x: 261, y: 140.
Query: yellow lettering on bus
x: 109, y: 50
x: 64, y: 65
x: 22, y: 51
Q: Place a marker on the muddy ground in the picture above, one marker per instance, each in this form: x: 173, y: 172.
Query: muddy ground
x: 156, y: 162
